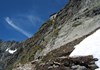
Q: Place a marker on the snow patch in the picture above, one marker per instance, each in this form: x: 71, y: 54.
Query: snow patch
x: 89, y: 46
x: 11, y: 51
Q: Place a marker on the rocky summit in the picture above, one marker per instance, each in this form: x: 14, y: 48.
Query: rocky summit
x: 50, y: 47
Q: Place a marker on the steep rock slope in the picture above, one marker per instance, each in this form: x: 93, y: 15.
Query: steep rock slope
x: 58, y: 35
x: 77, y: 19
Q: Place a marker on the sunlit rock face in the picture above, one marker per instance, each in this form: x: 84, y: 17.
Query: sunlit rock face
x: 55, y: 38
x: 77, y: 19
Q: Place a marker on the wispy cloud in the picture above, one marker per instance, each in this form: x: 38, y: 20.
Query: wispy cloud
x: 32, y: 19
x: 11, y: 23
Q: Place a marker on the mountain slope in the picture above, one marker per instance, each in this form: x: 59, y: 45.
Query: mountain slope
x: 57, y: 36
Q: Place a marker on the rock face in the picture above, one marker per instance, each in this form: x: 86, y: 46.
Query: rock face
x: 57, y: 38
x: 70, y: 63
x: 4, y: 54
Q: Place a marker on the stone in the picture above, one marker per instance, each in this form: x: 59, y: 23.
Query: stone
x: 93, y: 66
x: 78, y: 67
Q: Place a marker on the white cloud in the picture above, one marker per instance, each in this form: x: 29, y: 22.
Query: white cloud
x: 34, y: 19
x: 11, y: 23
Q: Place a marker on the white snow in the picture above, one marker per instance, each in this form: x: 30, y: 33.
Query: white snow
x: 7, y: 49
x: 89, y: 46
x: 11, y: 51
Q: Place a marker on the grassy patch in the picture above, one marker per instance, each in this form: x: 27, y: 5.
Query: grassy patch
x: 56, y: 32
x: 29, y: 56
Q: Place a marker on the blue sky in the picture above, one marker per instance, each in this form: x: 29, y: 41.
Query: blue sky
x: 20, y: 19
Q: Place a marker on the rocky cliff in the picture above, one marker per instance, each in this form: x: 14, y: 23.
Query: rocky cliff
x: 6, y: 48
x: 56, y: 39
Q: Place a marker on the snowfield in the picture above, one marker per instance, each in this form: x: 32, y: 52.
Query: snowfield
x: 89, y: 46
x: 11, y: 51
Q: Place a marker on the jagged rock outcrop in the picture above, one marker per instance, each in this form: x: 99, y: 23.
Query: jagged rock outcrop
x: 70, y: 63
x: 58, y: 36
